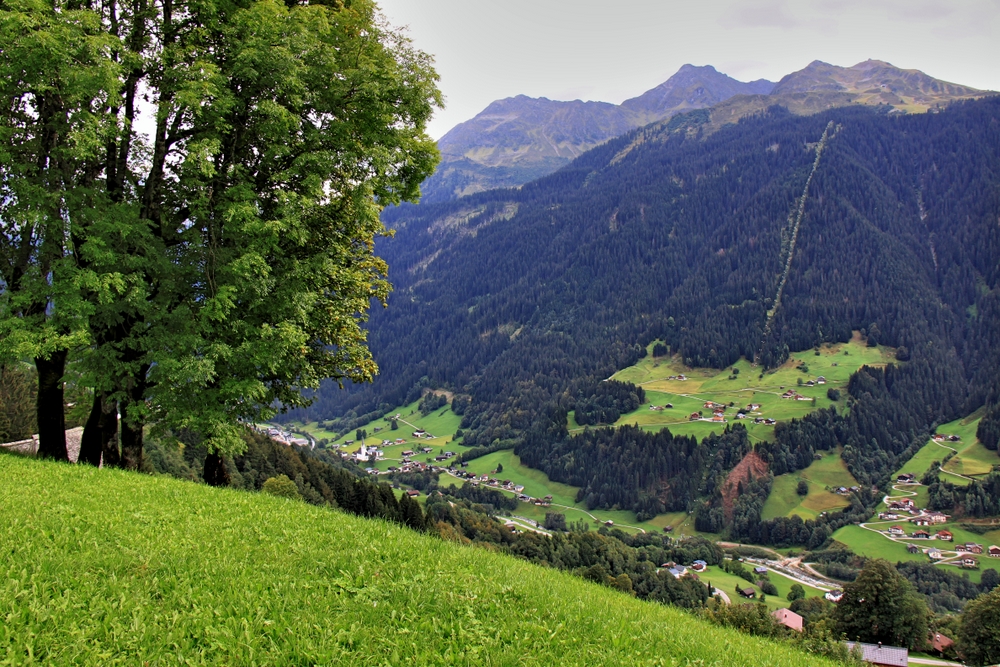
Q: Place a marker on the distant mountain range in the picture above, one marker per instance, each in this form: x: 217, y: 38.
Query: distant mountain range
x: 518, y: 139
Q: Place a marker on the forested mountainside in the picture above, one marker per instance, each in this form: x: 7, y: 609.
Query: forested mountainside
x: 519, y: 139
x: 863, y: 221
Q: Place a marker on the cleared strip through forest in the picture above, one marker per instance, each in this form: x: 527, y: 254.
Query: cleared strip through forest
x: 796, y: 220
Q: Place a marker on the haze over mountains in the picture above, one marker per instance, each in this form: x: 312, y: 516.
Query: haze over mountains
x: 516, y: 140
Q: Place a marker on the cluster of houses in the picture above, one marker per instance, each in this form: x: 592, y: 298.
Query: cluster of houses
x: 283, y: 436
x: 681, y: 571
x: 680, y: 377
x: 661, y: 408
x: 946, y: 438
x: 791, y: 393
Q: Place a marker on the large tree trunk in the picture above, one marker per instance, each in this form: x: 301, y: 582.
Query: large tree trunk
x: 49, y: 405
x: 109, y: 432
x: 215, y: 473
x: 131, y: 424
x: 90, y: 443
x: 100, y: 436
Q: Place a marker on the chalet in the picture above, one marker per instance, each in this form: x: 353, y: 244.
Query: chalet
x: 944, y: 535
x: 718, y: 418
x: 906, y: 478
x: 413, y: 493
x: 970, y: 563
x: 940, y: 642
x: 682, y: 377
x: 788, y: 618
x: 935, y: 554
x: 770, y: 422
x: 921, y: 535
x: 834, y: 596
x: 896, y: 530
x: 740, y: 415
x: 714, y: 406
x: 609, y: 523
x: 693, y: 416
x: 760, y: 569
x: 788, y: 394
x: 400, y: 441
x: 752, y: 407
x: 377, y: 429
x: 994, y: 551
x: 426, y: 450
x: 937, y: 517
x: 748, y: 593
x: 419, y: 433
x: 922, y: 521
x: 668, y: 406
x: 903, y: 504
x: 969, y: 547
x: 913, y: 549
x: 810, y: 383
x: 888, y: 516
x: 699, y: 565
x: 821, y: 380
x: 883, y: 656
x: 678, y: 571
x: 799, y: 397
x: 656, y: 408
x: 408, y: 452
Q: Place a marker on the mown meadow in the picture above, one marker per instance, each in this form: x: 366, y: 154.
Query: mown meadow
x: 105, y: 567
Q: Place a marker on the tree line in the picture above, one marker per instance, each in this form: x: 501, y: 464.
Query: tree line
x: 205, y: 269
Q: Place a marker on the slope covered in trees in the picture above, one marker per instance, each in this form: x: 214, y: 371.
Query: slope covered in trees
x: 522, y: 299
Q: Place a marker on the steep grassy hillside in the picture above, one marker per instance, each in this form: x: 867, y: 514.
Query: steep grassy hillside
x: 103, y: 567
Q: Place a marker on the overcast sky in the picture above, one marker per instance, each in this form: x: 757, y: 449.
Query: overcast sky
x: 610, y: 51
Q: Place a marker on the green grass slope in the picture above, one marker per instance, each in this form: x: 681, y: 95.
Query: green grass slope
x: 828, y: 471
x: 104, y: 567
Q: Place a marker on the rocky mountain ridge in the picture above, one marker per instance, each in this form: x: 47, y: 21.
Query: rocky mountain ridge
x: 518, y: 139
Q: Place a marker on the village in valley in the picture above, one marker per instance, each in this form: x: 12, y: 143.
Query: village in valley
x: 697, y: 402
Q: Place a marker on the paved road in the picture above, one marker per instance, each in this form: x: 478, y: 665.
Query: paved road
x: 722, y: 594
x: 928, y: 661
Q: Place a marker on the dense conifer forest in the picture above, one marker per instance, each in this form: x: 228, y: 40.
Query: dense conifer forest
x: 526, y: 299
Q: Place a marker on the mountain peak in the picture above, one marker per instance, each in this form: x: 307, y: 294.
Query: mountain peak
x: 691, y: 87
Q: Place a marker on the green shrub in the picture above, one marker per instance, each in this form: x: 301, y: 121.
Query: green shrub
x: 282, y: 487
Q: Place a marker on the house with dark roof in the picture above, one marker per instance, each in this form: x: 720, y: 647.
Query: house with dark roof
x: 884, y: 656
x: 748, y: 593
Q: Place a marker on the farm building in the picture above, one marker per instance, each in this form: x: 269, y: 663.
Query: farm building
x: 788, y: 618
x: 748, y: 593
x: 913, y: 549
x: 940, y: 642
x: 884, y: 656
x: 994, y: 551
